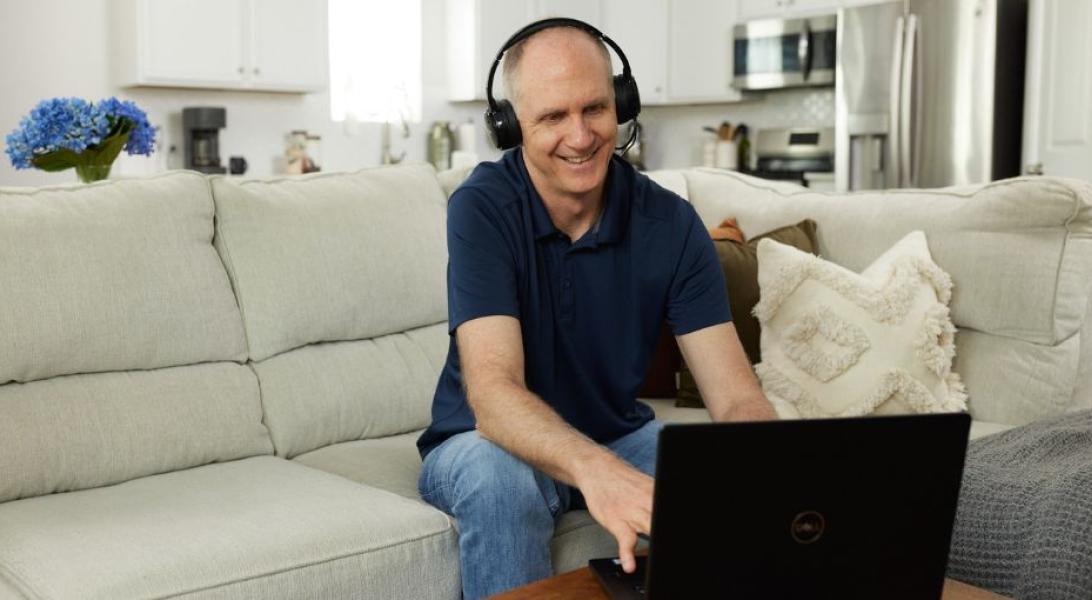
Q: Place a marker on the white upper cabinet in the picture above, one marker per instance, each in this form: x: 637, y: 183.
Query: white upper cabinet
x: 750, y: 10
x: 701, y: 50
x: 269, y: 45
x: 679, y: 50
x: 589, y: 11
x: 638, y: 27
x: 288, y: 44
x: 476, y: 30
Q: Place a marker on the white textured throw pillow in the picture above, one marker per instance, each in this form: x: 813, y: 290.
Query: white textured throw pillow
x: 838, y: 344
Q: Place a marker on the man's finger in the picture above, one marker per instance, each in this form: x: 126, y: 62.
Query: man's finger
x: 625, y: 554
x: 626, y: 541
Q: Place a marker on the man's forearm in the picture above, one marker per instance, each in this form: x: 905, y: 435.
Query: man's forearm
x: 517, y: 420
x: 751, y: 407
x: 728, y: 385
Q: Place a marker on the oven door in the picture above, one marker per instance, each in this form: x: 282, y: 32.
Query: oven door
x: 781, y: 53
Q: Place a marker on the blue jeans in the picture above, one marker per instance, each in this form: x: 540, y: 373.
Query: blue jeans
x: 506, y: 510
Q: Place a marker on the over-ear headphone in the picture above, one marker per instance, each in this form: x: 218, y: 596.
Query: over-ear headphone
x: 500, y: 118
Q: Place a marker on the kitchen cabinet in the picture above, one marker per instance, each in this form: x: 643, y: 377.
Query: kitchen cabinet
x: 701, y: 50
x: 262, y: 45
x: 638, y: 27
x: 476, y: 30
x: 589, y: 11
x: 680, y: 50
x: 750, y: 10
x: 763, y: 9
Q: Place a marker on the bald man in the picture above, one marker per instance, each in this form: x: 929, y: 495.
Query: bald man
x: 563, y: 263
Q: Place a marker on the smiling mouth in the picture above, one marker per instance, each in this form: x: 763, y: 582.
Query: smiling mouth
x: 579, y: 160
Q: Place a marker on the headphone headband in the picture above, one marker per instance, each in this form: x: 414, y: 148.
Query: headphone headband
x: 533, y: 28
x: 501, y: 121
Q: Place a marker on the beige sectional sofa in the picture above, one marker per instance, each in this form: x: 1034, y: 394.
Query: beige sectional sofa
x: 212, y: 387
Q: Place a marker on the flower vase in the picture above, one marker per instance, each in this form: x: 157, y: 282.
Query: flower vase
x: 91, y: 172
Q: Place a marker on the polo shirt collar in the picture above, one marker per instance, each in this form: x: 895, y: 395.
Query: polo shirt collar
x: 612, y: 220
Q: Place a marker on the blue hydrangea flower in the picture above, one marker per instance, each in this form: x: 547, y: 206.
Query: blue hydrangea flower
x: 78, y: 125
x: 141, y: 134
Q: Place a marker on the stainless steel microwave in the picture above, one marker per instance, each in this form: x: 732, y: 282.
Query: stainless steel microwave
x: 780, y: 53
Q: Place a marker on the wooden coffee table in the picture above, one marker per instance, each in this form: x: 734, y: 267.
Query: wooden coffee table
x: 582, y: 584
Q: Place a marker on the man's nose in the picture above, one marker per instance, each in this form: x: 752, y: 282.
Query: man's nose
x: 580, y: 134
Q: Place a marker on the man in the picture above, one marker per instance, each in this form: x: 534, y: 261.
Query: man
x: 563, y: 262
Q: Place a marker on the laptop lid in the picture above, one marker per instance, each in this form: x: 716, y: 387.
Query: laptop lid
x: 846, y: 508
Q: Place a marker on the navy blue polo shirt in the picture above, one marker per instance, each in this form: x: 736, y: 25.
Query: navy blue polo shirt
x: 590, y: 310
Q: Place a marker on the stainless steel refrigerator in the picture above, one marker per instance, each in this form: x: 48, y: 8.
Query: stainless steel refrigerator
x: 929, y: 93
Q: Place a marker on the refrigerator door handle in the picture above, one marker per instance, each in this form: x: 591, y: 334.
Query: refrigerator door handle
x: 894, y: 111
x: 803, y: 50
x: 918, y: 122
x: 906, y: 104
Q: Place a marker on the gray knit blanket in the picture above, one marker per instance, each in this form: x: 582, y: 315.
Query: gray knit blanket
x: 1024, y: 523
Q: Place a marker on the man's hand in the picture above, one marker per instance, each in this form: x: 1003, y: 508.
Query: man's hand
x: 619, y: 498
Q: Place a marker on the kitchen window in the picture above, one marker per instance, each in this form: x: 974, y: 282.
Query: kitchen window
x: 375, y: 60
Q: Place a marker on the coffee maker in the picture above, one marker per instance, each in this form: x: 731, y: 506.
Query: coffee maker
x: 201, y: 126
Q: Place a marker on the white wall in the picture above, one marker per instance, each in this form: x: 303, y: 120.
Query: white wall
x: 61, y: 48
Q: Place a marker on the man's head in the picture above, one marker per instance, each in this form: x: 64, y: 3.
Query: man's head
x: 559, y: 82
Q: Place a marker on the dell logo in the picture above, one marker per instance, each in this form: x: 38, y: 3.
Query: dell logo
x: 807, y: 527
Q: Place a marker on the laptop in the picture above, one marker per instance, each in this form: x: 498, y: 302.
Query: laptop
x: 831, y: 508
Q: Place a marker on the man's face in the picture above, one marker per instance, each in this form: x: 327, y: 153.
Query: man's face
x: 566, y: 112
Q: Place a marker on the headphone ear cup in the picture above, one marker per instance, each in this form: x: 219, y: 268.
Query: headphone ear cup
x: 503, y: 126
x: 627, y: 100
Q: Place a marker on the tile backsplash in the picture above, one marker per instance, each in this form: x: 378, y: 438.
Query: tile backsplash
x: 674, y: 135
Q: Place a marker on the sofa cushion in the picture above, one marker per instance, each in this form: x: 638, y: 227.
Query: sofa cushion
x: 1017, y: 251
x: 840, y: 344
x: 111, y: 276
x: 333, y: 257
x: 389, y: 463
x: 739, y: 262
x: 1017, y: 382
x: 1034, y: 231
x: 670, y: 179
x: 261, y: 528
x: 82, y: 431
x: 394, y: 464
x: 323, y: 394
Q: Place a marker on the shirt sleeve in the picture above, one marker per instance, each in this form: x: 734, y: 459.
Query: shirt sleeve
x: 481, y: 270
x: 698, y: 296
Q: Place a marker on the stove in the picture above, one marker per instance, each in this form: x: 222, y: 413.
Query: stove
x: 794, y: 154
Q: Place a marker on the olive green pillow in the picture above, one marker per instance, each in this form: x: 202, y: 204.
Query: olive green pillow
x: 740, y: 265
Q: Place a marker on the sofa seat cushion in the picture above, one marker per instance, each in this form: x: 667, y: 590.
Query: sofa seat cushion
x: 393, y: 464
x: 388, y: 463
x: 262, y: 527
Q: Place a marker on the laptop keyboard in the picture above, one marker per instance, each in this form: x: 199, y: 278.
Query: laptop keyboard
x: 617, y: 582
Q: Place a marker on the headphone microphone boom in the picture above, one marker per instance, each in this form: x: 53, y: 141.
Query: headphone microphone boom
x: 500, y: 118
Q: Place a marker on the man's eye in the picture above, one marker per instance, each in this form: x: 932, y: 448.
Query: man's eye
x: 553, y: 118
x: 595, y: 110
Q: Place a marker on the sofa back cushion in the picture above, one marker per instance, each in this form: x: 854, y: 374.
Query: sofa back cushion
x: 83, y: 431
x: 341, y: 283
x: 112, y: 276
x: 333, y: 257
x: 117, y: 331
x: 1019, y: 252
